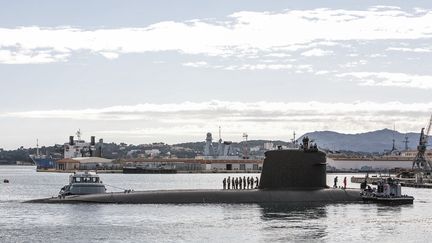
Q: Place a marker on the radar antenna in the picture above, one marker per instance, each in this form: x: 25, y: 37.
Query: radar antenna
x: 245, y: 148
x: 420, y: 161
x: 37, y: 147
x: 78, y: 133
x: 406, y: 142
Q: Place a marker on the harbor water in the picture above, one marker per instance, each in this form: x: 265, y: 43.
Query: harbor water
x: 355, y: 222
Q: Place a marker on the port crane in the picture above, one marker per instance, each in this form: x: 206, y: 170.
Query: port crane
x: 421, y: 162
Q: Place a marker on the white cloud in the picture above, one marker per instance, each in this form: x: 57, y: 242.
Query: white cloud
x: 407, y: 49
x: 29, y: 56
x: 244, y: 33
x: 195, y: 64
x: 390, y: 79
x: 316, y: 52
x: 259, y: 66
x: 268, y: 119
x: 322, y: 72
x: 109, y: 55
x: 353, y: 64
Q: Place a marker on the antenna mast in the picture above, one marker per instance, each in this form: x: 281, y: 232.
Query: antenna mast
x: 245, y: 148
x: 406, y: 141
x: 37, y: 147
x: 78, y: 133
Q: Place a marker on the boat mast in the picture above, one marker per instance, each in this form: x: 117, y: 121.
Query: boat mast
x: 37, y: 147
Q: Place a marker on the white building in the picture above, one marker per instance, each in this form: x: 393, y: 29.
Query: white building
x: 268, y: 146
x: 152, y: 152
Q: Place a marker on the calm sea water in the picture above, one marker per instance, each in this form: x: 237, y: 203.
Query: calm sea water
x: 355, y: 222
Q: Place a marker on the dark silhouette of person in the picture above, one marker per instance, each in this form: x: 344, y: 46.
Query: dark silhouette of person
x: 236, y: 183
x: 345, y: 182
x: 224, y: 183
x: 248, y: 182
x: 233, y: 183
x: 240, y: 182
x: 229, y: 183
x: 335, y: 182
x: 363, y: 185
x: 257, y: 182
x: 244, y: 182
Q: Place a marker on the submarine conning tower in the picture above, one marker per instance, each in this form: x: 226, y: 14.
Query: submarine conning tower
x: 303, y: 168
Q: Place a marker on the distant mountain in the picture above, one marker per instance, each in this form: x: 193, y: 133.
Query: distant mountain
x: 376, y: 141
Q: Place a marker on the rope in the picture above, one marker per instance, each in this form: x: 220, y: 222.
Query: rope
x: 124, y: 189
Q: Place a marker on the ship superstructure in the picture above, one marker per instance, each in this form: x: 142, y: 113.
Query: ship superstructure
x: 224, y: 149
x: 77, y: 148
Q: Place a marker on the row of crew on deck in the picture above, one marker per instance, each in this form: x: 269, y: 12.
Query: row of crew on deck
x: 240, y: 183
x: 308, y: 146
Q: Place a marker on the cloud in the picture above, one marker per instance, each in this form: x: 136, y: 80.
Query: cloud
x: 265, y: 119
x: 241, y: 34
x: 110, y: 55
x: 407, y: 49
x: 316, y: 53
x: 30, y: 56
x: 390, y: 79
x: 261, y: 66
x: 195, y: 64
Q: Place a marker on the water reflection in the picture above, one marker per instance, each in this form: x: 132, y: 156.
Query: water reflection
x: 294, y: 222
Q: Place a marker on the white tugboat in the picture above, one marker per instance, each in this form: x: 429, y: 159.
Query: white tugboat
x: 388, y: 191
x: 83, y: 183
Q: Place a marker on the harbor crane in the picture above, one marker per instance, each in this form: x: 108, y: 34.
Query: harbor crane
x: 421, y: 162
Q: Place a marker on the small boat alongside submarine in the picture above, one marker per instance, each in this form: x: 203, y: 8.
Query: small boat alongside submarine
x: 83, y: 183
x: 288, y: 176
x: 388, y: 191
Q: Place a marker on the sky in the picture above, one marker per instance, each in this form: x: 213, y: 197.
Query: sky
x: 171, y: 71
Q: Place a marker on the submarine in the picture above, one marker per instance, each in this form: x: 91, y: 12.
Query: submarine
x: 288, y: 176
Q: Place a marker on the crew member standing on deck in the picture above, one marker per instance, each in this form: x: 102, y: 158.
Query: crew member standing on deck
x: 257, y: 182
x: 229, y: 183
x: 248, y: 182
x: 244, y: 182
x: 224, y: 183
x: 240, y: 182
x: 345, y: 182
x: 233, y: 183
x: 335, y: 182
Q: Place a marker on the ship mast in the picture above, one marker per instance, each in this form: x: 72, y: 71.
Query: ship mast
x: 406, y: 141
x: 245, y: 152
x: 37, y: 147
x: 78, y: 133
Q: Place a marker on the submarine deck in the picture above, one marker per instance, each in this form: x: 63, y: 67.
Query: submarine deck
x: 327, y: 195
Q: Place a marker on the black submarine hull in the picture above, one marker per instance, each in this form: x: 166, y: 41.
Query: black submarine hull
x: 288, y: 176
x: 328, y: 195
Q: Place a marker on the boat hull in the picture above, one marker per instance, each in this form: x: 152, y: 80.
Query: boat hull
x: 389, y: 200
x: 43, y: 163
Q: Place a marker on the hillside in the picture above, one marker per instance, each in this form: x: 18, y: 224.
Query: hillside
x: 375, y: 141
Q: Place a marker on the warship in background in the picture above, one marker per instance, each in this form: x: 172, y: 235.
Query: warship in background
x: 224, y: 151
